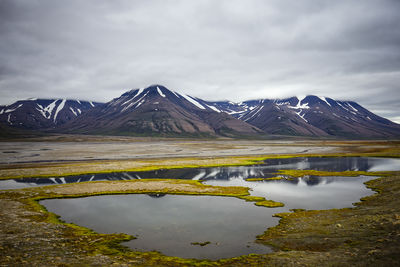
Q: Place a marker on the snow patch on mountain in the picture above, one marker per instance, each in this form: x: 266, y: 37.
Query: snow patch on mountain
x: 175, y: 94
x: 13, y: 109
x: 301, y: 116
x: 194, y: 102
x: 356, y: 110
x: 325, y: 100
x: 47, y: 111
x: 255, y: 113
x: 139, y: 92
x: 160, y: 92
x: 213, y: 108
x: 137, y: 101
x: 299, y: 105
x: 73, y: 111
x: 342, y: 105
x: 59, y: 108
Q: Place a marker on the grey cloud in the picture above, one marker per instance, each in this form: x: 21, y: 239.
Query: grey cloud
x: 211, y: 49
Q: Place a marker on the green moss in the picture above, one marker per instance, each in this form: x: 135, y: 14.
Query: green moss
x: 269, y: 204
x: 252, y: 198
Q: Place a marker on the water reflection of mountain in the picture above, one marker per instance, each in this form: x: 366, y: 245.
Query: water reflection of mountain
x: 323, y: 164
x: 226, y: 173
x: 220, y: 173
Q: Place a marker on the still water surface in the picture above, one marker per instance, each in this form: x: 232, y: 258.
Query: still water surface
x: 268, y: 169
x: 170, y: 224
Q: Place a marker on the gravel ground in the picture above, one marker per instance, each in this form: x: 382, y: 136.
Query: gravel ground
x: 20, y: 152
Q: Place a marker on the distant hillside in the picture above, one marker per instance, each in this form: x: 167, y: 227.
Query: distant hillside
x: 158, y: 111
x: 39, y: 114
x: 312, y: 116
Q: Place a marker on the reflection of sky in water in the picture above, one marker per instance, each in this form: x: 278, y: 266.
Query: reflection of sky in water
x: 169, y: 224
x: 311, y: 193
x: 224, y: 173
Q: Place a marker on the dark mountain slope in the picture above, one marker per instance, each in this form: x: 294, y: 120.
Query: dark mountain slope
x: 158, y: 111
x: 312, y: 116
x: 39, y: 114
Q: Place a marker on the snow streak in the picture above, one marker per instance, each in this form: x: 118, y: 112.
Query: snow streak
x: 59, y: 108
x: 194, y: 102
x: 160, y: 92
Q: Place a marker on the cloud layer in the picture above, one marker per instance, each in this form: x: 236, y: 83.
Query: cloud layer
x: 215, y: 50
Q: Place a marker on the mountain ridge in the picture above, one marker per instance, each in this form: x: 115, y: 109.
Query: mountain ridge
x: 158, y: 111
x: 37, y: 114
x: 313, y: 116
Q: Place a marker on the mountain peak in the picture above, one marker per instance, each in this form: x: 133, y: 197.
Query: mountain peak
x: 159, y: 110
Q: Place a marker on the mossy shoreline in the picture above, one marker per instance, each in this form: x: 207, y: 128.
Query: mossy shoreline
x: 109, y: 244
x: 285, y: 237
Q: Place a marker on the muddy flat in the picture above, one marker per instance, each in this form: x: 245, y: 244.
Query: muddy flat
x: 50, y: 151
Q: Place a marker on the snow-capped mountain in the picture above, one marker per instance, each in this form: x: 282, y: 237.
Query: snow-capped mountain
x: 312, y: 116
x: 42, y: 113
x: 157, y: 110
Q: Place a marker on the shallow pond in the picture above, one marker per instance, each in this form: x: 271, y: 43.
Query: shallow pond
x: 268, y: 169
x: 170, y: 224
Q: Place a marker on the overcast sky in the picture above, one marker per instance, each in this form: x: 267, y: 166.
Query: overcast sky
x: 215, y: 50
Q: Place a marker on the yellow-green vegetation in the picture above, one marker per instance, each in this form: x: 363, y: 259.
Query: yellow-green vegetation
x: 252, y: 198
x: 261, y: 201
x: 46, y: 169
x: 145, y: 186
x: 264, y: 179
x: 269, y: 204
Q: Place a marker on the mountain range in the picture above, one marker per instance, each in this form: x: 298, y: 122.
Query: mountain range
x: 158, y: 111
